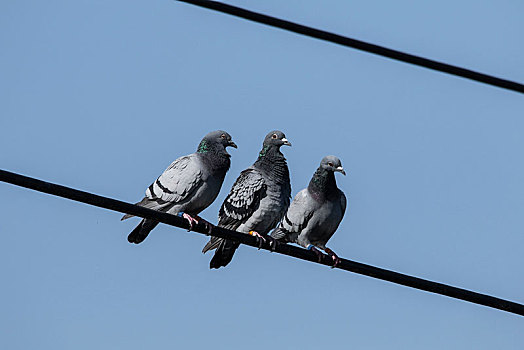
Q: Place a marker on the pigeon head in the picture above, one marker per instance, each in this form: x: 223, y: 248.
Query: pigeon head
x: 276, y: 138
x: 332, y: 163
x: 215, y: 139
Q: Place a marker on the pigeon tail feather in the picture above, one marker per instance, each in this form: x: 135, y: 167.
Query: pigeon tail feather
x: 141, y: 231
x: 156, y: 204
x: 223, y: 254
x: 125, y: 217
x: 213, y: 243
x: 279, y: 233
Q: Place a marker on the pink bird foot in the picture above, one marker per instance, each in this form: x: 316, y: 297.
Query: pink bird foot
x: 190, y: 219
x: 316, y: 251
x: 336, y: 259
x: 260, y: 239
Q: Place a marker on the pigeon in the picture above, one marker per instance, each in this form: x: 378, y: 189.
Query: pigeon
x: 316, y: 211
x: 258, y: 199
x: 189, y: 185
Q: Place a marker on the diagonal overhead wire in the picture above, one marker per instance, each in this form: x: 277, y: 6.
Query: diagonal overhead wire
x: 285, y: 249
x: 358, y: 44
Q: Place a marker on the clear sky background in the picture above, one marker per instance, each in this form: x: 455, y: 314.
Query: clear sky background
x: 103, y: 95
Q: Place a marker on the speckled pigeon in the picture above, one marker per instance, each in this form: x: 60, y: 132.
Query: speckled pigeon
x: 316, y: 211
x: 257, y: 200
x: 189, y: 185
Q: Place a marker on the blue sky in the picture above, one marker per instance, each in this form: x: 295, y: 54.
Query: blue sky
x: 103, y: 95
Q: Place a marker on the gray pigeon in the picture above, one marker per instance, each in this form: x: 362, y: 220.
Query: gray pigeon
x: 257, y: 200
x: 189, y: 185
x: 316, y: 211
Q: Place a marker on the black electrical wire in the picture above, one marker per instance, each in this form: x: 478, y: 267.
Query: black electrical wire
x: 358, y: 44
x: 286, y: 249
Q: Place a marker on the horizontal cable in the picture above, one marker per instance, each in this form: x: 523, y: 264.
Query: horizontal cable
x: 358, y: 44
x: 286, y: 249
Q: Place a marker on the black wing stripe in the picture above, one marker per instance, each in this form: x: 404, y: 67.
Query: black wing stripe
x: 151, y: 191
x: 288, y: 221
x: 164, y: 189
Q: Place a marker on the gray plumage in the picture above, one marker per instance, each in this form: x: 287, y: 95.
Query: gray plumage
x: 190, y: 184
x: 316, y: 211
x: 257, y: 200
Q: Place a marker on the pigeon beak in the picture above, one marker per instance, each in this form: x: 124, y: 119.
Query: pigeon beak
x: 232, y: 144
x: 340, y: 170
x: 286, y: 142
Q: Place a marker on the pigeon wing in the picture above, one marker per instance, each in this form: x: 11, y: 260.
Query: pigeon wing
x: 177, y: 183
x: 241, y: 202
x: 297, y: 216
x: 243, y: 199
x: 343, y: 203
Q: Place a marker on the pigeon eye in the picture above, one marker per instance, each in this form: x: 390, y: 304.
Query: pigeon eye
x: 223, y: 136
x: 274, y: 136
x: 330, y: 164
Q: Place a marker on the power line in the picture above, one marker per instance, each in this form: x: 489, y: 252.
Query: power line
x: 357, y: 44
x: 286, y: 249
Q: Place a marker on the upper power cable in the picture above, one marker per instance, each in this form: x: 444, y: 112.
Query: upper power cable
x: 358, y: 44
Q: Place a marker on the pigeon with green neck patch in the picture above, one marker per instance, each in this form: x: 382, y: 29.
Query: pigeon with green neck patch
x: 189, y: 185
x: 316, y: 211
x: 257, y: 200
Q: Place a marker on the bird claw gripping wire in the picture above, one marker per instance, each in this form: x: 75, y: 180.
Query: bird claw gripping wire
x: 209, y: 226
x: 316, y: 251
x: 189, y: 218
x: 196, y: 220
x: 273, y: 243
x: 336, y: 259
x: 260, y: 239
